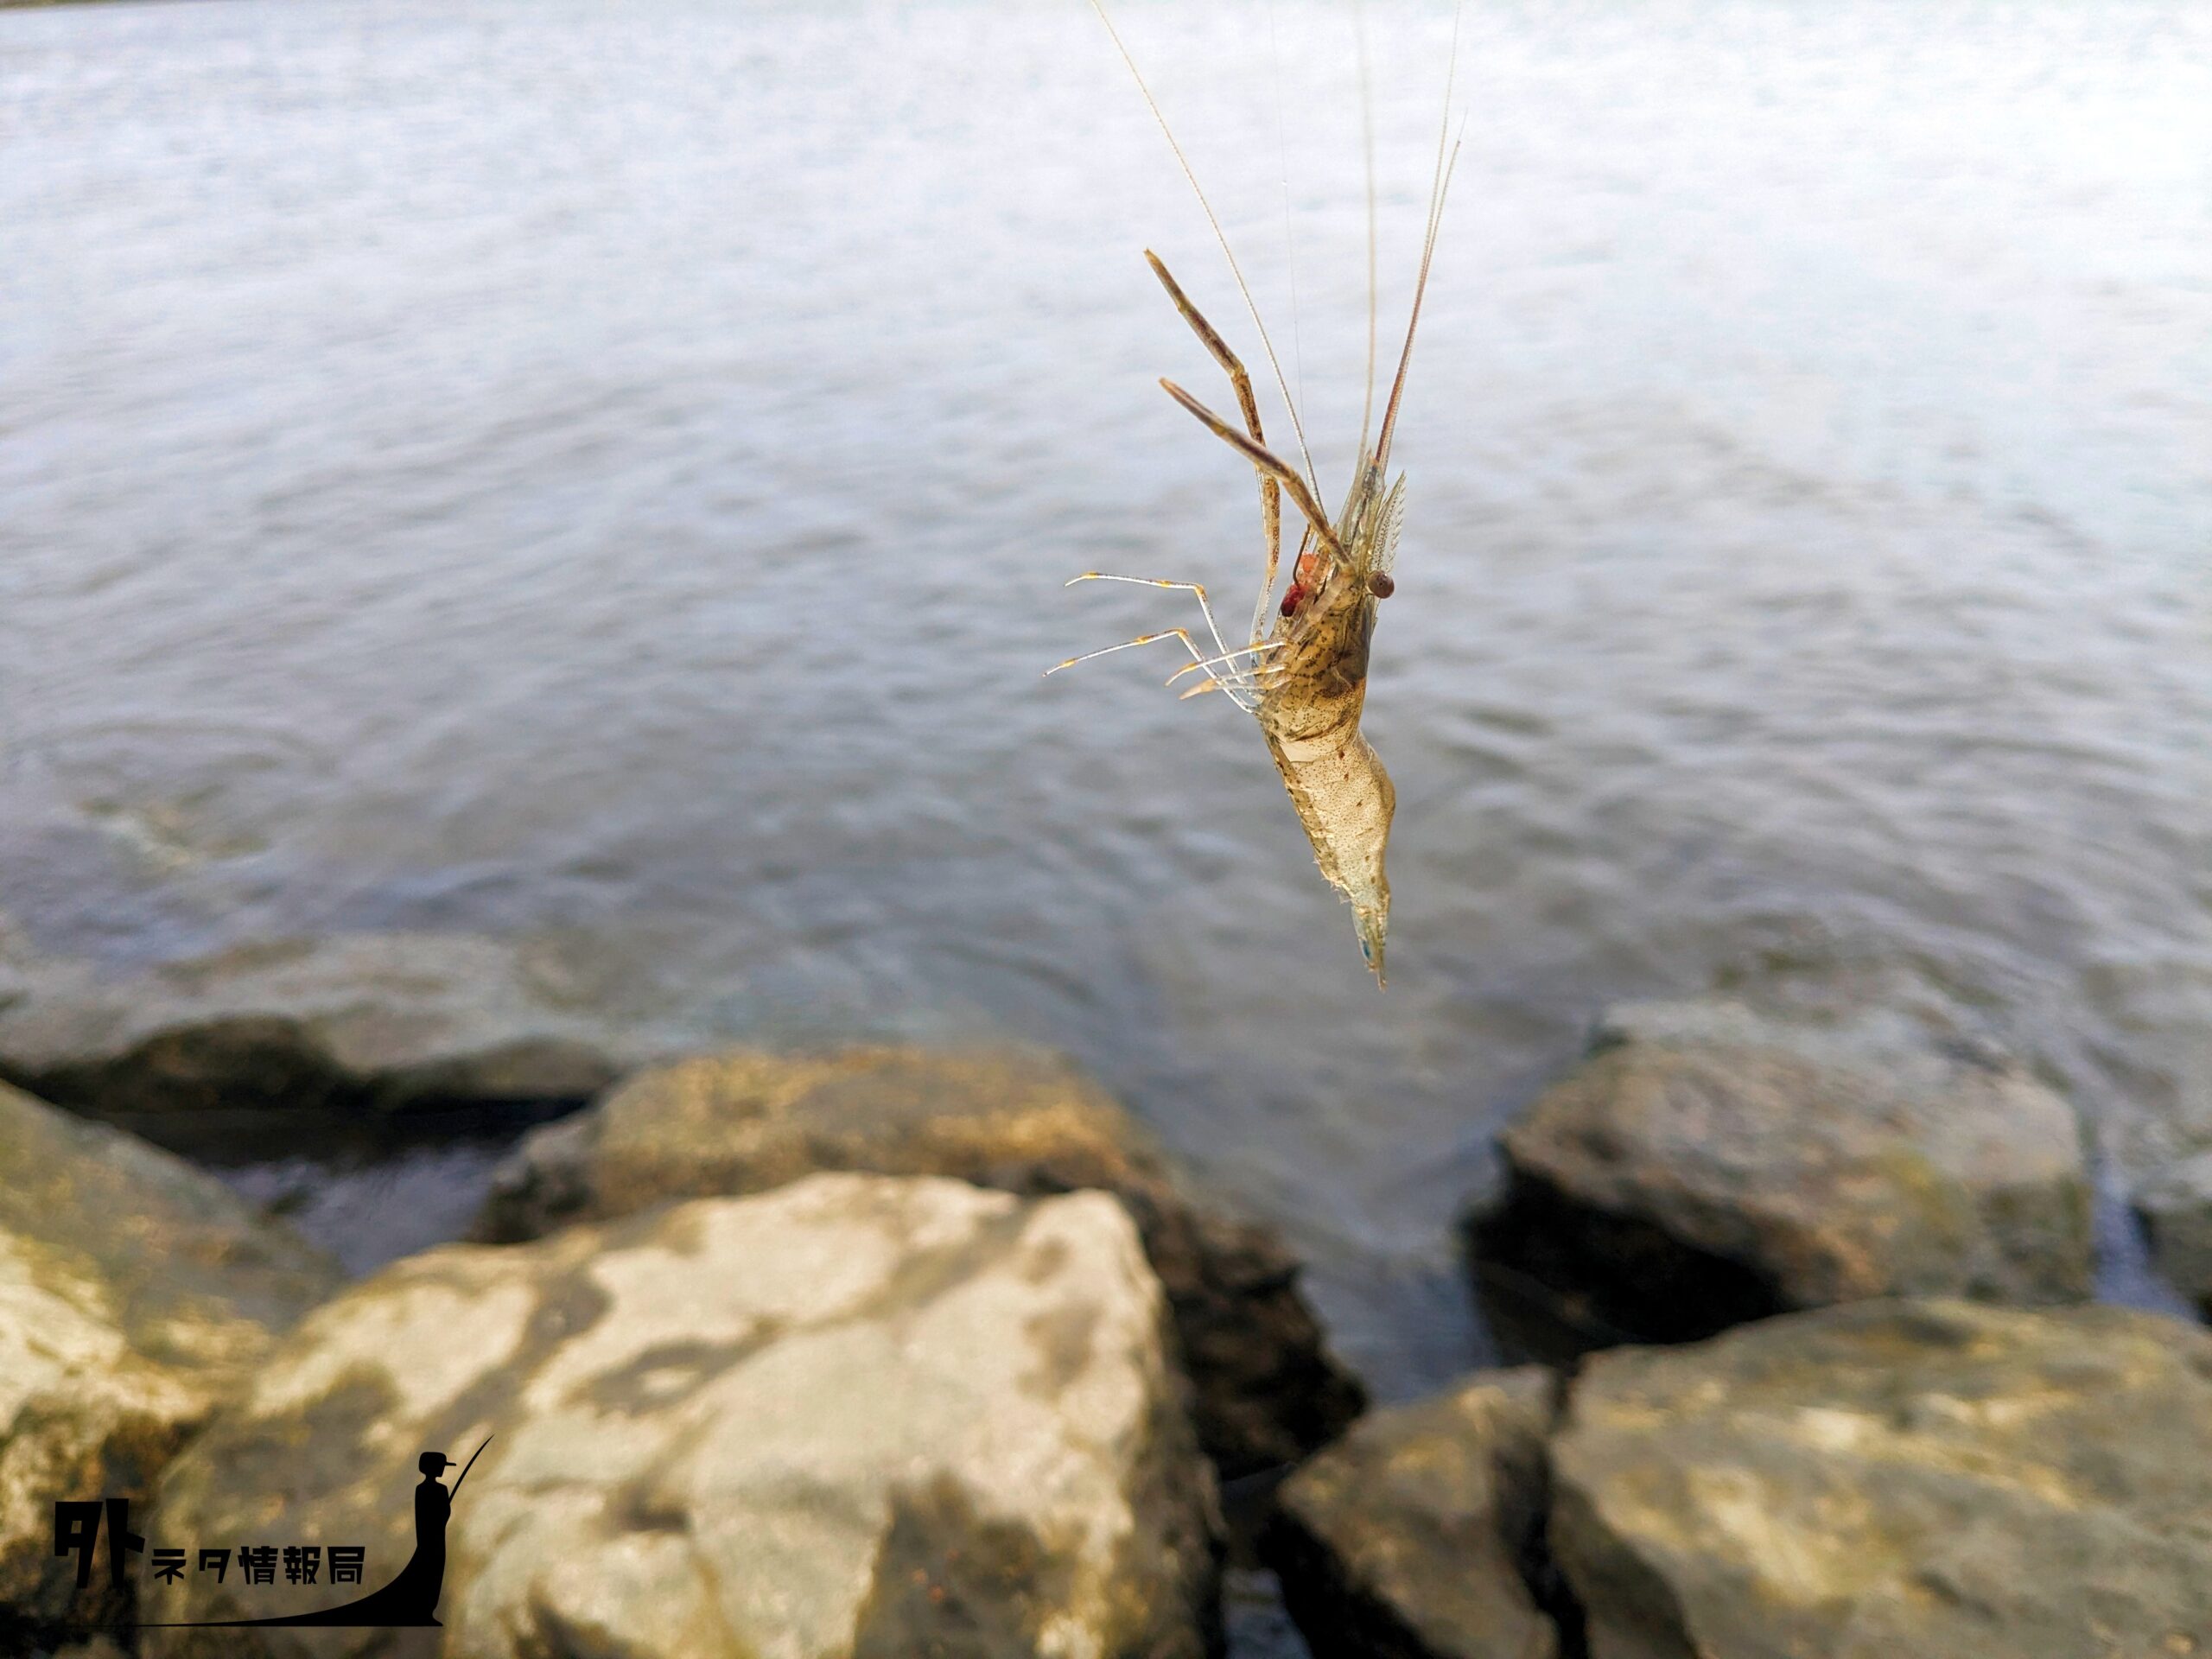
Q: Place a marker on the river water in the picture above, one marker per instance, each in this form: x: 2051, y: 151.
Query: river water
x: 608, y: 471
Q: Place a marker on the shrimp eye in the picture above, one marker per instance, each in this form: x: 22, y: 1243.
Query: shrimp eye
x: 1381, y: 586
x: 1291, y: 599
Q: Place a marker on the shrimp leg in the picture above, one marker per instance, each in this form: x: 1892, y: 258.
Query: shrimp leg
x: 1242, y: 688
x: 1197, y: 589
x: 1270, y: 490
x: 1268, y: 463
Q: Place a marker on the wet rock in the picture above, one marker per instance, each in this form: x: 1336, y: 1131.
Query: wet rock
x: 2176, y: 1208
x: 381, y: 1022
x: 1896, y: 1478
x: 1417, y: 1535
x: 134, y: 1293
x: 854, y: 1416
x: 1024, y: 1122
x: 1710, y: 1164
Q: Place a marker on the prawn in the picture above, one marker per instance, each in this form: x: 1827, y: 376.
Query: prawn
x: 1302, y: 672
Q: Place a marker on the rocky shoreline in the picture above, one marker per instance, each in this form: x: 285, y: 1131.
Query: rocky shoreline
x: 889, y: 1351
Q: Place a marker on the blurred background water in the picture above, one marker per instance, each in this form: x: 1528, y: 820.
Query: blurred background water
x: 608, y: 471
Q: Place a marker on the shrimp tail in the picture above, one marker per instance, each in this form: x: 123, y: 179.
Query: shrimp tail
x: 1346, y: 801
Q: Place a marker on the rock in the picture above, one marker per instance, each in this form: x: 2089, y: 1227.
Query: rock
x: 1415, y: 1535
x: 1710, y: 1164
x: 855, y: 1416
x: 378, y: 1022
x: 1910, y: 1480
x: 2176, y: 1208
x: 1024, y: 1122
x: 134, y: 1293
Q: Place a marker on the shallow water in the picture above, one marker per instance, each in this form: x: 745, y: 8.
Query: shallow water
x: 609, y: 471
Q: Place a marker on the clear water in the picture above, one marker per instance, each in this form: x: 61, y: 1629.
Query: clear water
x: 609, y: 470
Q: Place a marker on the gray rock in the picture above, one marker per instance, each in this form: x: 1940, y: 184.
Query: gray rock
x: 1024, y: 1122
x: 134, y: 1293
x: 2175, y: 1207
x: 1709, y: 1164
x: 1415, y: 1535
x: 357, y: 1023
x: 854, y: 1416
x: 381, y: 1022
x: 1894, y: 1480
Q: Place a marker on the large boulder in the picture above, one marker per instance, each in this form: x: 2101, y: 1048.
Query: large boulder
x: 2176, y: 1208
x: 855, y: 1416
x: 1896, y: 1480
x: 1710, y: 1163
x: 1022, y: 1120
x: 376, y: 1022
x: 134, y: 1293
x: 1419, y: 1535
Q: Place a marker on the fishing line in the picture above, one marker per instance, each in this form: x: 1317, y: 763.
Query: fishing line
x: 1289, y: 242
x: 1266, y: 342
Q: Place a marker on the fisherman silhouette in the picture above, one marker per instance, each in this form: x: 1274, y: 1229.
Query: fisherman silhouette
x: 411, y: 1598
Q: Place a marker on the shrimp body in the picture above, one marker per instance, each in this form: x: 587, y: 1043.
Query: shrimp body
x: 1311, y: 697
x: 1309, y: 713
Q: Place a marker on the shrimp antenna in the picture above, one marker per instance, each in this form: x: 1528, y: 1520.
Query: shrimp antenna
x: 1282, y: 384
x: 1367, y: 137
x: 1439, y: 185
x: 1289, y: 244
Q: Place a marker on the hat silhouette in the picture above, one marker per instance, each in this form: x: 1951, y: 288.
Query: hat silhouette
x: 433, y: 1462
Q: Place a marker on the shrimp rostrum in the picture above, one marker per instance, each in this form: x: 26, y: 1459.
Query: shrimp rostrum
x: 1302, y: 671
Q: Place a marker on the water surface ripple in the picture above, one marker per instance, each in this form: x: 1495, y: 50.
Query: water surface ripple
x: 609, y: 470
